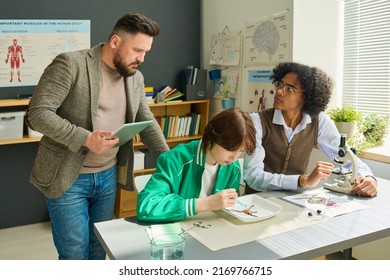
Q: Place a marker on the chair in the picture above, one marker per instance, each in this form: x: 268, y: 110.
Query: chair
x: 140, y: 181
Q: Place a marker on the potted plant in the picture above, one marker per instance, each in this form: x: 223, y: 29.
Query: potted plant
x: 345, y: 118
x: 375, y: 128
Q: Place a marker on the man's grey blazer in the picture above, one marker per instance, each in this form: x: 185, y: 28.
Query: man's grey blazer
x: 64, y: 107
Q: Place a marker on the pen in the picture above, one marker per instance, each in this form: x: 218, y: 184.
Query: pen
x: 237, y: 201
x: 240, y: 203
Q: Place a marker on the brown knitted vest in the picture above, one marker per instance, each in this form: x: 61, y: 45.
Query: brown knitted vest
x: 281, y: 156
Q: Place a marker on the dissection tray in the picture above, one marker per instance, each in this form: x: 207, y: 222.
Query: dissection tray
x: 253, y: 208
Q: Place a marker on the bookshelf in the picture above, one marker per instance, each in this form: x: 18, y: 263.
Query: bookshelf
x: 126, y: 201
x: 14, y: 102
x: 180, y: 108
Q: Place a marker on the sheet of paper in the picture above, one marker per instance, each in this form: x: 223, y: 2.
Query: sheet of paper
x: 227, y: 231
x: 332, y: 204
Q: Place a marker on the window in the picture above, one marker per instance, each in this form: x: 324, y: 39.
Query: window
x: 366, y: 76
x: 366, y: 73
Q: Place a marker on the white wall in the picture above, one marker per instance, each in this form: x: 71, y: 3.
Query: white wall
x: 216, y: 14
x: 316, y: 37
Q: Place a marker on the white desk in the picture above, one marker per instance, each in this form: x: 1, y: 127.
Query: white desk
x: 125, y: 239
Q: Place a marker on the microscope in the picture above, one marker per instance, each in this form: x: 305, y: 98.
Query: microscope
x: 346, y: 176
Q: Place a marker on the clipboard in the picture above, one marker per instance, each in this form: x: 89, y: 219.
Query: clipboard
x: 129, y: 130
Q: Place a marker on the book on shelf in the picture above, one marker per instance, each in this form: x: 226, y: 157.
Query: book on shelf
x: 162, y: 124
x: 187, y: 123
x: 191, y: 75
x: 186, y: 129
x: 174, y: 101
x: 177, y: 94
x: 182, y: 125
x: 172, y: 121
x: 150, y: 94
x: 198, y: 116
x: 170, y: 92
x: 187, y: 75
x: 166, y: 125
x: 149, y: 89
x: 194, y: 76
x: 176, y: 128
x: 149, y: 99
x: 193, y: 124
x: 165, y: 89
x: 179, y: 126
x: 167, y: 93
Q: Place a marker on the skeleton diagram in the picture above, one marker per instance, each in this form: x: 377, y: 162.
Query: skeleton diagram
x: 14, y: 55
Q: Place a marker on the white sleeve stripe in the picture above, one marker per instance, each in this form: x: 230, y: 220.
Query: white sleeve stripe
x: 190, y: 207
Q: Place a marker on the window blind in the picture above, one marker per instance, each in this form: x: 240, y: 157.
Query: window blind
x: 366, y: 74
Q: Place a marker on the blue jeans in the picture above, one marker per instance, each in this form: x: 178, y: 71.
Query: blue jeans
x: 89, y: 200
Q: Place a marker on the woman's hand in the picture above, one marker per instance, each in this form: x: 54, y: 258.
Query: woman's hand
x: 322, y: 171
x: 222, y: 199
x: 365, y: 186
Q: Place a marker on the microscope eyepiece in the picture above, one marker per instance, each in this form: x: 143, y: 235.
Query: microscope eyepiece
x: 343, y: 139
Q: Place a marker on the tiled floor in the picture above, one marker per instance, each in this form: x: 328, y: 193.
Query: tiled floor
x: 31, y: 242
x: 34, y: 242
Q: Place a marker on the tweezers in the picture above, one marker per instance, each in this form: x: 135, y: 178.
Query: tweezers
x: 240, y: 211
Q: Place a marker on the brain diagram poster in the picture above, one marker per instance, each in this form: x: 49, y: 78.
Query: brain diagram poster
x: 267, y: 41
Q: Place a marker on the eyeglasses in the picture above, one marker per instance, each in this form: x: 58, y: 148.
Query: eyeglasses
x: 286, y: 89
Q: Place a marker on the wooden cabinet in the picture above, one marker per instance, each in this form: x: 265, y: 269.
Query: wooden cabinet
x: 126, y: 201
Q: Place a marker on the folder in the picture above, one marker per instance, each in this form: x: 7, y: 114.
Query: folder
x: 127, y: 131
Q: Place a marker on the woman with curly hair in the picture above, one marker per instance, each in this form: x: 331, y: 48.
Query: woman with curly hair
x: 287, y: 133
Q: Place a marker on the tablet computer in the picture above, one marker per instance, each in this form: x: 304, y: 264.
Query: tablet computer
x: 129, y: 130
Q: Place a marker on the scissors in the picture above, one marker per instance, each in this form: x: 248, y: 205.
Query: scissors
x: 197, y: 225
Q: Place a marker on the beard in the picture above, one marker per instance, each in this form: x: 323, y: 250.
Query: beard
x: 122, y: 69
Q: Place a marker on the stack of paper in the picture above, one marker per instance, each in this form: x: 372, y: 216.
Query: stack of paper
x: 155, y: 230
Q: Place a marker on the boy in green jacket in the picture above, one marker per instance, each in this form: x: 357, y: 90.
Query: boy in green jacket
x: 201, y: 175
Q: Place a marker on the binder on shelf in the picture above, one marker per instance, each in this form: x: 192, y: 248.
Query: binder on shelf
x: 187, y: 73
x: 197, y: 90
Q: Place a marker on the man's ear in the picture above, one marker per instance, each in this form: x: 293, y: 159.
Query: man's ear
x: 114, y: 41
